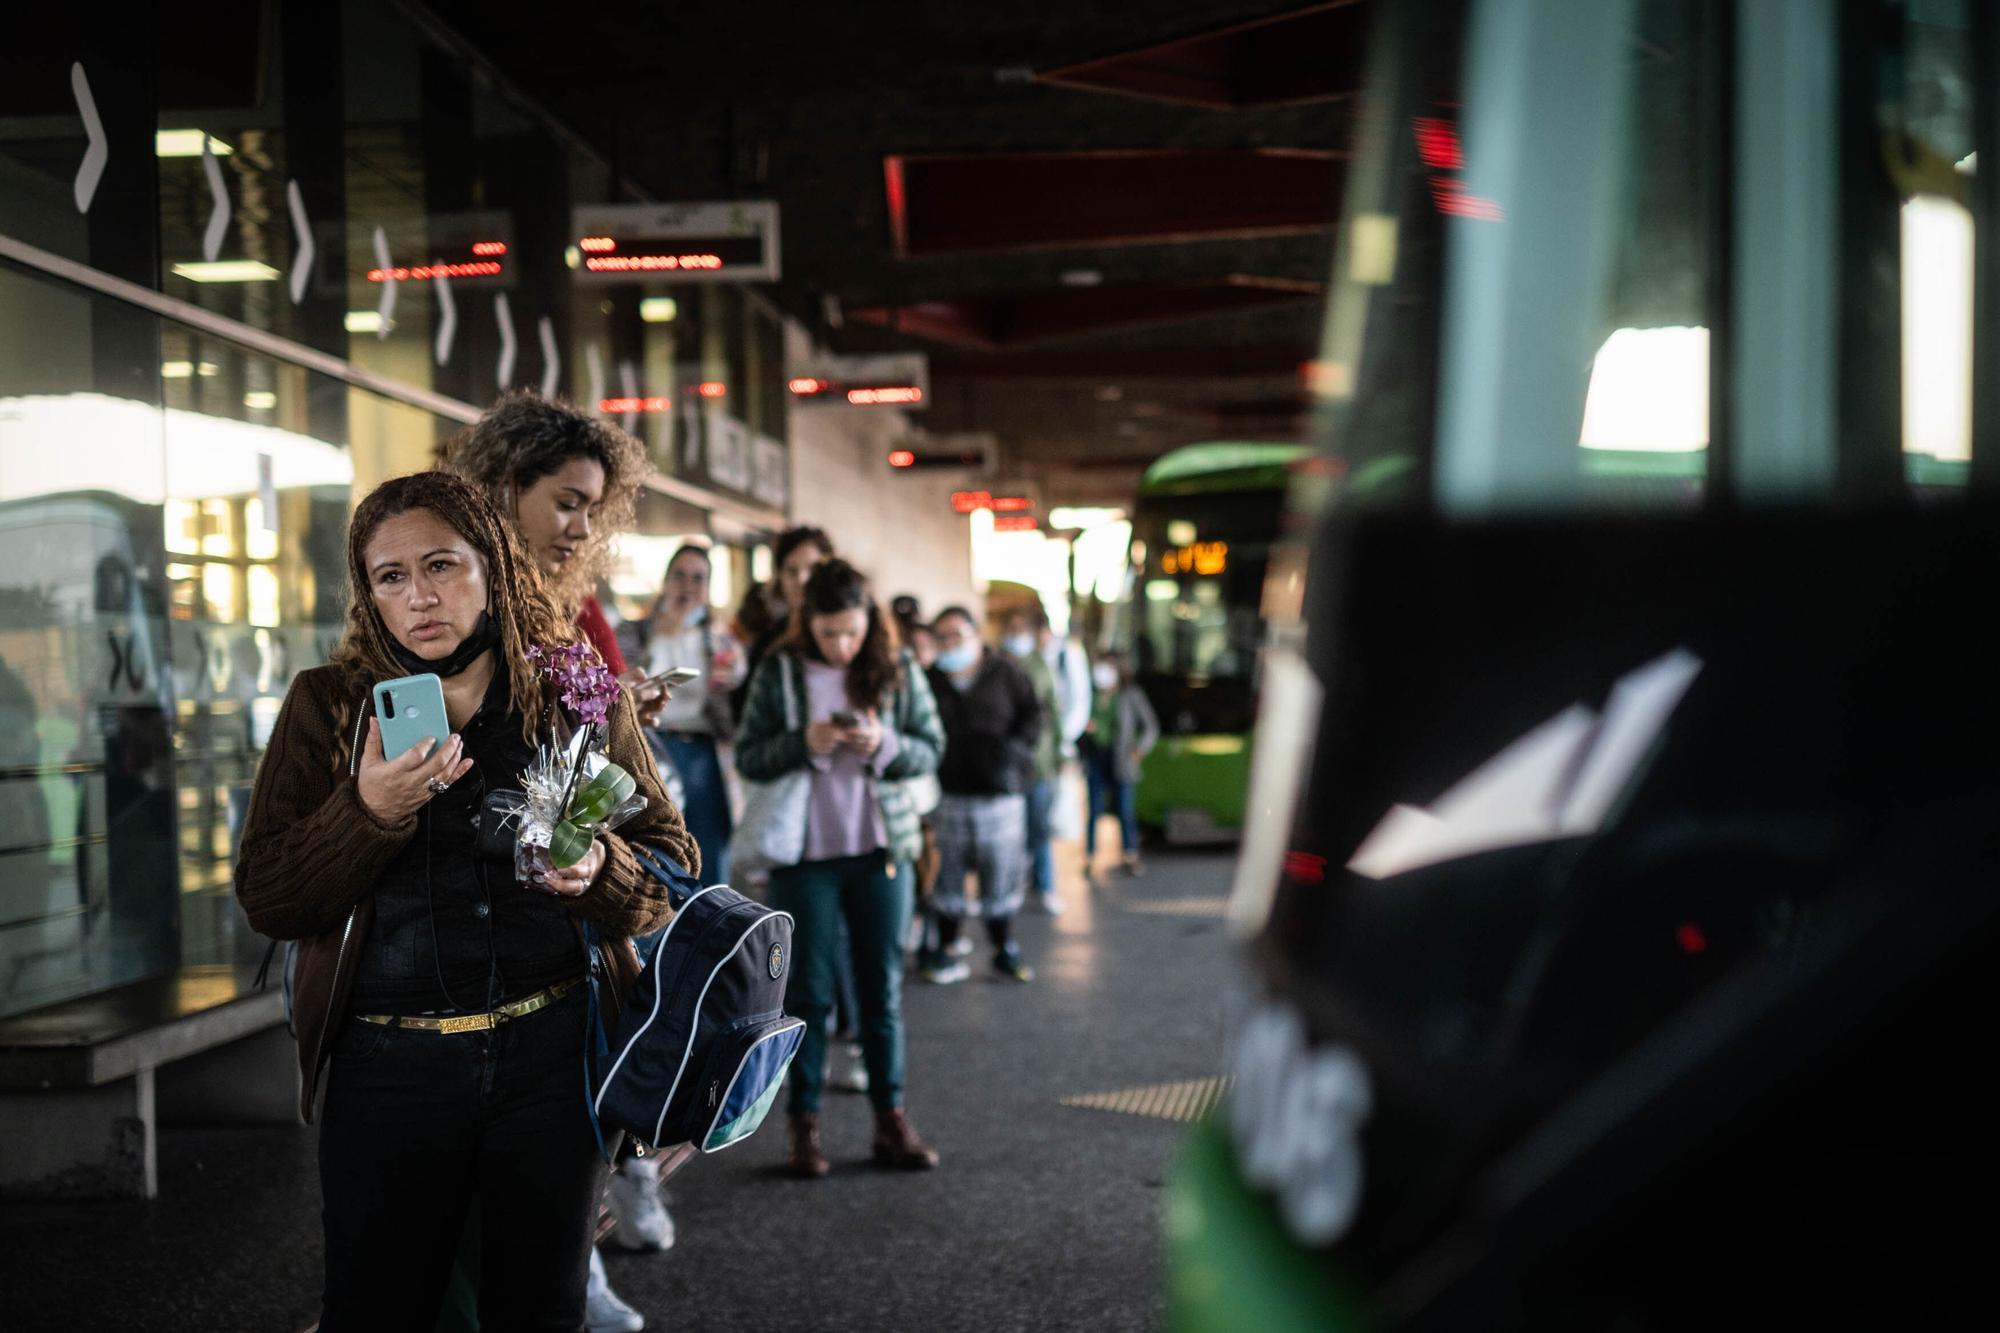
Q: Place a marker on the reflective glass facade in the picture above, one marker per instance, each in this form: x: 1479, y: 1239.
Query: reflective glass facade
x: 174, y: 490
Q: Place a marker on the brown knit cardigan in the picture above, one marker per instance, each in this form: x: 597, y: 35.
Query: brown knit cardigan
x: 311, y: 853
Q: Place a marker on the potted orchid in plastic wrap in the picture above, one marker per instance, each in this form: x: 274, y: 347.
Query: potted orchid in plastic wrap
x: 574, y: 791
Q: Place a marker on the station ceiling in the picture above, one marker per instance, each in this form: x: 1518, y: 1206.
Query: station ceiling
x: 1110, y: 226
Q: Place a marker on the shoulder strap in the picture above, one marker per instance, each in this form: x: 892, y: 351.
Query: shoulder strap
x: 785, y: 683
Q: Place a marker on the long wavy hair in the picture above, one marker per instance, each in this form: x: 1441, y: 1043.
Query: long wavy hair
x: 517, y: 596
x: 837, y: 586
x: 524, y: 437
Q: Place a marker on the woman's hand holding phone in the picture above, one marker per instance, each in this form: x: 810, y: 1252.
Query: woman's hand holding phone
x: 394, y: 789
x: 863, y: 733
x: 823, y: 737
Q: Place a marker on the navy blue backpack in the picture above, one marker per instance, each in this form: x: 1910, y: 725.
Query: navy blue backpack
x: 703, y: 1041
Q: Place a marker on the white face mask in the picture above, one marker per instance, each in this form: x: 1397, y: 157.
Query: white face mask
x: 1104, y: 676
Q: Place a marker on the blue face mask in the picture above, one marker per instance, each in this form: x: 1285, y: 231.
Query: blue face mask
x: 960, y: 658
x: 695, y: 617
x: 1019, y: 644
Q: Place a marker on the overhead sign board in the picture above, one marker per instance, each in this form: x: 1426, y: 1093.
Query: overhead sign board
x: 716, y: 242
x: 901, y: 379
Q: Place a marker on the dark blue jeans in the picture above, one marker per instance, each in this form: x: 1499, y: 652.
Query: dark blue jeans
x: 1100, y: 771
x: 872, y: 895
x: 707, y: 799
x: 1041, y: 799
x: 418, y: 1129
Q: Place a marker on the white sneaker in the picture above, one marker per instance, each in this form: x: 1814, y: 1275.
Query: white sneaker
x: 853, y: 1077
x: 1050, y: 903
x: 603, y: 1312
x: 944, y: 975
x: 634, y: 1199
x: 961, y: 947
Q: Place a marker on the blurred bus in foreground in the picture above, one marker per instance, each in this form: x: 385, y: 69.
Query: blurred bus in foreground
x: 1618, y: 870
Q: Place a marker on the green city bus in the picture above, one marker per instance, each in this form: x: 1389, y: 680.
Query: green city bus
x: 1192, y: 624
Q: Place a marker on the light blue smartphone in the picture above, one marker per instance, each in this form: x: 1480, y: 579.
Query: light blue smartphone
x: 409, y: 709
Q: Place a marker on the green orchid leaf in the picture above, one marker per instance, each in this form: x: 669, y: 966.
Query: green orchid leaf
x: 601, y: 795
x: 568, y: 844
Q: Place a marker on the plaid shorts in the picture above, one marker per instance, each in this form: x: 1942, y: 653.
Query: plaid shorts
x: 987, y: 834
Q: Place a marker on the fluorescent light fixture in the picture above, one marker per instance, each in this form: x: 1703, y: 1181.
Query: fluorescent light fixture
x: 226, y: 270
x: 658, y: 309
x: 187, y: 143
x: 363, y: 321
x: 176, y: 370
x: 261, y: 399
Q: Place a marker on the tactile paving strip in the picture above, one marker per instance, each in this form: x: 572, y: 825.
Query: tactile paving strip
x: 1187, y: 1101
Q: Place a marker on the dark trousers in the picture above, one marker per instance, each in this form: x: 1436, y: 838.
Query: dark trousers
x: 419, y: 1128
x: 1100, y: 771
x: 707, y: 799
x: 872, y: 894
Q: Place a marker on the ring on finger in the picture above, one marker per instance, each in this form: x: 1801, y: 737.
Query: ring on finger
x: 437, y: 785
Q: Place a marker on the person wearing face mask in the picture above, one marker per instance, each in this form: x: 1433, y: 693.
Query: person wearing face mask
x: 992, y: 724
x: 1019, y: 636
x: 869, y: 724
x: 1123, y: 730
x: 681, y: 633
x: 440, y: 1003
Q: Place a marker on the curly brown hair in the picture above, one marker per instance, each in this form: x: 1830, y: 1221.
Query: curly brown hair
x: 519, y: 599
x: 524, y: 437
x: 837, y: 586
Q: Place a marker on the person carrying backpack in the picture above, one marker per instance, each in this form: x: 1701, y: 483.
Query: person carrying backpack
x: 866, y: 723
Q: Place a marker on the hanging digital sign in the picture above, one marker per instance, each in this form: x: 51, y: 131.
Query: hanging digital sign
x: 714, y: 242
x: 900, y: 379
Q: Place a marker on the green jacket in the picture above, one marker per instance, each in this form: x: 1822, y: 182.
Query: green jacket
x: 766, y: 750
x: 1048, y: 746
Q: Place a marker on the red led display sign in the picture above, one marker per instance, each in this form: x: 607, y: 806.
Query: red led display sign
x: 479, y: 259
x: 856, y: 395
x: 728, y: 242
x: 1015, y: 523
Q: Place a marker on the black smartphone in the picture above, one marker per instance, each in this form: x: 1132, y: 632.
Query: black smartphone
x: 845, y: 717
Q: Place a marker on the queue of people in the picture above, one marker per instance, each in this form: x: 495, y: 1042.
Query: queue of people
x: 439, y: 1000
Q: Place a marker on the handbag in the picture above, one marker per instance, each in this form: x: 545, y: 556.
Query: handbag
x: 772, y: 831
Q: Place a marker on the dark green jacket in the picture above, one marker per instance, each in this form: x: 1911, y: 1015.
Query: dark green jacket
x: 1048, y: 747
x: 766, y: 750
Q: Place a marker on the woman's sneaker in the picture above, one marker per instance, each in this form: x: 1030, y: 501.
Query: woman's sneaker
x: 946, y: 971
x: 603, y: 1312
x: 634, y: 1199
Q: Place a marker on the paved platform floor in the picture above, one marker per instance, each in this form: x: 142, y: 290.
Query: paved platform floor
x: 1043, y: 1216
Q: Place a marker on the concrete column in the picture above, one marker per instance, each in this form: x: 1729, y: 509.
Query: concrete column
x: 80, y: 1143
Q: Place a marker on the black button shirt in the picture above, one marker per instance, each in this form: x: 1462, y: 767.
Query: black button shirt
x: 453, y: 933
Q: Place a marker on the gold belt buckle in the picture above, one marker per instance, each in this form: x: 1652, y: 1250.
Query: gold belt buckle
x: 467, y: 1023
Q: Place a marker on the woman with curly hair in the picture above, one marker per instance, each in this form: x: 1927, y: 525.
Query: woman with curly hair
x: 569, y: 482
x: 444, y: 1001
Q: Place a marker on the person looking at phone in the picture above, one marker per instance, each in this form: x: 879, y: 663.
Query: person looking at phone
x: 440, y: 1004
x: 868, y: 724
x: 570, y: 483
x: 696, y: 719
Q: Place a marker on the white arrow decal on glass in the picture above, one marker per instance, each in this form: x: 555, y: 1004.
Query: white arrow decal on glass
x: 448, y: 323
x: 386, y: 307
x: 91, y: 170
x: 628, y: 379
x: 504, y: 316
x: 301, y: 262
x: 593, y: 364
x: 1560, y: 780
x: 551, y: 363
x: 218, y: 217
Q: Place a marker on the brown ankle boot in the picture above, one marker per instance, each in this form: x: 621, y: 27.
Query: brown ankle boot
x: 897, y: 1144
x: 806, y: 1160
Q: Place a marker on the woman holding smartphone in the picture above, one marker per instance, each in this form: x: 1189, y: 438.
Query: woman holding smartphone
x: 444, y: 1003
x: 681, y: 633
x: 869, y: 722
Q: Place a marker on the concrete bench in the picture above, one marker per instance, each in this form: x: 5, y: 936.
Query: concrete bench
x: 85, y: 1084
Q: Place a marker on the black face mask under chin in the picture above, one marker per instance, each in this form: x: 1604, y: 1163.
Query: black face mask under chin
x: 484, y: 635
